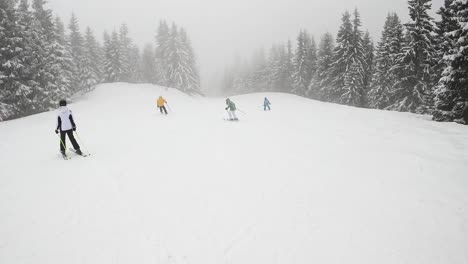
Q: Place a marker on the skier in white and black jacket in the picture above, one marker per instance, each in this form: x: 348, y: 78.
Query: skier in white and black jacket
x: 66, y: 125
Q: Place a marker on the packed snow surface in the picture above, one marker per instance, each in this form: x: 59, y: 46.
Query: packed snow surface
x: 308, y: 182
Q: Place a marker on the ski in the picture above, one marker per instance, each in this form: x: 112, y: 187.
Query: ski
x: 231, y: 120
x: 65, y: 156
x: 74, y: 151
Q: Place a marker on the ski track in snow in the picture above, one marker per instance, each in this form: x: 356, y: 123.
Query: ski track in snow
x: 307, y: 182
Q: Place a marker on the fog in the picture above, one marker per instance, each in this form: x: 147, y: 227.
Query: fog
x: 219, y: 29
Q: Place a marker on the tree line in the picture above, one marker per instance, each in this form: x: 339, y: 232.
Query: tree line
x: 419, y: 67
x: 42, y: 61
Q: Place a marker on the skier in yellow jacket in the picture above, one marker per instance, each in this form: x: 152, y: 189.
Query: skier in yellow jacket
x: 162, y: 105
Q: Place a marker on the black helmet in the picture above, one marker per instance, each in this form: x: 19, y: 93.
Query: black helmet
x: 63, y: 102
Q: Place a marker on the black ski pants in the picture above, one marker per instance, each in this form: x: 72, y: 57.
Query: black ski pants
x: 70, y: 135
x: 163, y: 110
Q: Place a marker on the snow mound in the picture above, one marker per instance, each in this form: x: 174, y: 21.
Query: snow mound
x: 308, y: 182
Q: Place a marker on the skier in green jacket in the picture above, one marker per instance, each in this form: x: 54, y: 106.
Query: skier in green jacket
x: 231, y: 108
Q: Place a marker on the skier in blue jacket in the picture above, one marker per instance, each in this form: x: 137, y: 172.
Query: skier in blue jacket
x: 266, y: 104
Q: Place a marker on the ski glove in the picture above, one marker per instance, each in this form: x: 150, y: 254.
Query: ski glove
x: 56, y: 131
x: 74, y: 128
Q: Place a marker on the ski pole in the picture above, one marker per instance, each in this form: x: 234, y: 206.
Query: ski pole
x: 169, y: 107
x: 64, y: 147
x: 241, y: 111
x: 82, y: 143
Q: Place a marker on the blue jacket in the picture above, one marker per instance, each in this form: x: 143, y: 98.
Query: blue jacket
x: 266, y: 102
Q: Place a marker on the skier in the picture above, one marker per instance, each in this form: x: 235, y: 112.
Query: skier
x: 66, y: 125
x: 266, y: 104
x: 465, y: 113
x: 231, y: 108
x: 161, y: 105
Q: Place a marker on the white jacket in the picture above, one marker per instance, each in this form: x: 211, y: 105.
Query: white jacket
x: 65, y: 120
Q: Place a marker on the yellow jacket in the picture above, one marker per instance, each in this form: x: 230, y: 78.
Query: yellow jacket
x: 161, y: 102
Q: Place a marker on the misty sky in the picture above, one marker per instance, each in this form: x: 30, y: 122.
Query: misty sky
x: 219, y: 29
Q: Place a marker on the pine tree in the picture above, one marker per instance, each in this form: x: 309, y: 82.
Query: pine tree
x: 445, y: 41
x: 77, y: 53
x: 50, y: 77
x: 273, y: 69
x: 388, y: 48
x: 112, y: 68
x: 91, y: 71
x: 66, y: 64
x: 320, y: 84
x: 288, y: 69
x: 193, y: 73
x: 15, y: 96
x: 125, y: 51
x: 180, y: 73
x: 257, y: 77
x: 415, y: 64
x: 148, y: 65
x: 162, y: 42
x: 302, y: 64
x: 348, y: 64
x: 354, y: 93
x: 134, y: 64
x: 452, y: 93
x: 368, y: 66
x: 312, y: 59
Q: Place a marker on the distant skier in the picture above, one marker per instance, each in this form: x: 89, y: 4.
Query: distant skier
x: 465, y: 113
x: 266, y: 104
x: 66, y: 125
x: 162, y: 105
x: 231, y: 108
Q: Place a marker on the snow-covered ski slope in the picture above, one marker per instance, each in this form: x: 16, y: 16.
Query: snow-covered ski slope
x: 308, y: 182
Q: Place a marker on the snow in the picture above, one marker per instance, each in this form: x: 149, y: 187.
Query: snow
x: 308, y: 182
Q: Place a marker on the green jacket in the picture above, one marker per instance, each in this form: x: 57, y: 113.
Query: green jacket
x: 231, y: 106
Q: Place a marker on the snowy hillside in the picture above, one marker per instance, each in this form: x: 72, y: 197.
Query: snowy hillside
x: 306, y: 183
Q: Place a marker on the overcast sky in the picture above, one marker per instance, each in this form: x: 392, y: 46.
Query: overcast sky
x: 221, y: 28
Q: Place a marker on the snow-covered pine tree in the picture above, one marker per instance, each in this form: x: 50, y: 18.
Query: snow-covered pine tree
x: 369, y: 65
x: 148, y: 65
x: 91, y: 71
x: 415, y: 65
x: 31, y: 57
x: 279, y: 70
x: 273, y: 69
x: 302, y: 65
x: 162, y: 42
x: 126, y: 47
x: 77, y: 52
x: 175, y: 58
x: 353, y: 84
x: 135, y: 63
x: 445, y: 41
x: 257, y: 78
x: 452, y: 93
x: 354, y: 92
x: 320, y: 83
x: 288, y: 69
x: 193, y: 75
x: 349, y: 53
x: 50, y: 76
x: 312, y: 59
x: 180, y: 70
x: 15, y: 96
x: 112, y: 68
x: 342, y: 57
x: 66, y: 63
x: 388, y: 48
